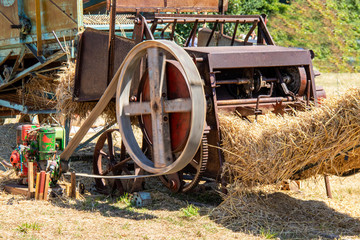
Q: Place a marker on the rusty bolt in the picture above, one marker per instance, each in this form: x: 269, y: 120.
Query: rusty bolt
x: 133, y: 99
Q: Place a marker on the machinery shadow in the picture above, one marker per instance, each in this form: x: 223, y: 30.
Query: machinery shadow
x: 107, y: 207
x: 279, y: 215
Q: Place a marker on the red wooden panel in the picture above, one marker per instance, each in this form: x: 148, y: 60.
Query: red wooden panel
x: 167, y: 5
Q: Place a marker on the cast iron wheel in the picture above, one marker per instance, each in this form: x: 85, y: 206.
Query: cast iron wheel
x: 107, y: 161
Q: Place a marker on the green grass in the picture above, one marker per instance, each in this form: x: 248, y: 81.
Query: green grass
x: 126, y: 199
x: 268, y: 234
x: 190, y: 211
x: 26, y: 227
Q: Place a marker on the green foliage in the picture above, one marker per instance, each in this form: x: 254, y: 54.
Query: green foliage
x: 190, y: 211
x: 330, y: 28
x: 237, y: 7
x: 126, y: 199
x: 25, y: 227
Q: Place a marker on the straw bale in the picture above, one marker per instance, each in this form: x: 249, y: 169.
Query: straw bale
x: 323, y: 140
x: 64, y: 96
x: 37, y: 91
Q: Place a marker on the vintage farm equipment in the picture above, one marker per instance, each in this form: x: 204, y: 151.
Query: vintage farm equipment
x: 38, y: 144
x: 173, y: 94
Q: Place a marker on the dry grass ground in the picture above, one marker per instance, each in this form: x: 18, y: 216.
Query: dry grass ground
x: 337, y: 83
x: 307, y: 214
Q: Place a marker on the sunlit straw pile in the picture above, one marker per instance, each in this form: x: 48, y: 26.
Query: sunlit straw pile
x: 37, y: 92
x: 324, y: 140
x: 64, y: 96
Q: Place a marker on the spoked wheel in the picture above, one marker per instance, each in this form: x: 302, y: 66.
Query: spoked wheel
x: 190, y: 177
x: 169, y: 105
x: 109, y: 159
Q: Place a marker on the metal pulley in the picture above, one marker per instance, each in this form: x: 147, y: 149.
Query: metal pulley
x: 157, y: 106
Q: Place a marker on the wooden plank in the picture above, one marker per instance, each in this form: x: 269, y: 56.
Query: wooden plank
x: 73, y: 185
x: 16, y: 189
x: 38, y: 27
x: 30, y: 178
x: 42, y: 184
x: 167, y: 6
x: 37, y: 186
x: 46, y: 189
x: 33, y: 68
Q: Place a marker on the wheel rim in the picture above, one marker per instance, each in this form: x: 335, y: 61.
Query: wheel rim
x: 163, y: 161
x: 106, y: 163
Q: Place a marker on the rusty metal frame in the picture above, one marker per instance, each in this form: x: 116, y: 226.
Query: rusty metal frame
x: 111, y: 47
x: 257, y: 20
x: 192, y: 33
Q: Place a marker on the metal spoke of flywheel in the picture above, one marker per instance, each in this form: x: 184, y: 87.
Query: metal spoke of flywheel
x: 162, y: 154
x: 110, y: 147
x: 169, y: 106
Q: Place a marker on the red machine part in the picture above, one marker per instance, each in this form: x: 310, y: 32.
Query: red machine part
x: 321, y: 94
x: 21, y: 167
x: 179, y: 122
x: 303, y: 81
x: 15, y: 159
x: 23, y: 134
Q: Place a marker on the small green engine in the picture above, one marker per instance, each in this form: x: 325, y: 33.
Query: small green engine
x: 38, y: 144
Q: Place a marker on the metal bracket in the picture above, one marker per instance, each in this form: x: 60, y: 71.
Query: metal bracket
x: 33, y: 49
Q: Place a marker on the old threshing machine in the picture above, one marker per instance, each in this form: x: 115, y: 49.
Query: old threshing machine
x: 174, y: 93
x: 167, y: 96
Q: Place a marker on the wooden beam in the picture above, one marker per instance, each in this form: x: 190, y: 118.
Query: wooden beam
x: 30, y: 178
x: 46, y: 188
x: 16, y: 189
x: 37, y: 186
x: 73, y: 185
x: 42, y: 184
x: 38, y: 28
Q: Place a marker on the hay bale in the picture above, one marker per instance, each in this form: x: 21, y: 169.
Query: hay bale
x: 64, y: 95
x: 277, y: 148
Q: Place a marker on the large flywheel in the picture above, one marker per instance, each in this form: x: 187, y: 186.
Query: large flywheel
x: 168, y: 102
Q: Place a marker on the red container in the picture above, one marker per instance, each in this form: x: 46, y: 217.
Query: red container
x: 22, y: 133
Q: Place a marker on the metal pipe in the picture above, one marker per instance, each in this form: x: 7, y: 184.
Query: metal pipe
x: 58, y: 41
x: 234, y: 34
x: 212, y: 33
x: 252, y: 101
x: 237, y: 81
x: 267, y: 105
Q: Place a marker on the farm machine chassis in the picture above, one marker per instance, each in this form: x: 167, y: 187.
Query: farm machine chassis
x: 174, y: 94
